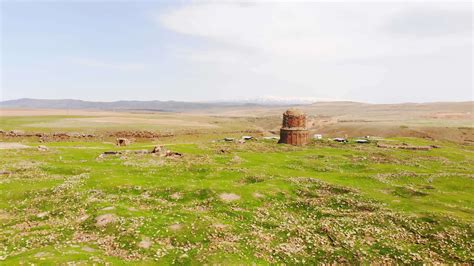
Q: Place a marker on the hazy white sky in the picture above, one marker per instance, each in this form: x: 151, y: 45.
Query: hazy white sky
x: 385, y: 52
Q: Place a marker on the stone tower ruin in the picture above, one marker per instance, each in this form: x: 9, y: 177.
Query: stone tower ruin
x: 293, y: 130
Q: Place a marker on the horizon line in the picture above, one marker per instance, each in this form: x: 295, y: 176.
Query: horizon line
x: 245, y: 101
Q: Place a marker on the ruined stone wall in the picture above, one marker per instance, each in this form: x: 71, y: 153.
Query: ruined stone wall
x: 292, y: 121
x: 294, y: 137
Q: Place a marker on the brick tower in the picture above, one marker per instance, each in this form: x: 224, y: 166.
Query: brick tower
x: 293, y: 130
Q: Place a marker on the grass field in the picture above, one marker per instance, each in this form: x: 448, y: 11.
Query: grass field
x: 237, y: 203
x: 228, y: 202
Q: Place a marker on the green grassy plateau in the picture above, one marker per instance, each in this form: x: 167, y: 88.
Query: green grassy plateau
x: 231, y: 203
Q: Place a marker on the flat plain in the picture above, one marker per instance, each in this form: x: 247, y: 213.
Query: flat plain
x: 237, y: 202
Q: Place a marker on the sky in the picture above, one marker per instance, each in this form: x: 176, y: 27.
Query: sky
x: 385, y: 52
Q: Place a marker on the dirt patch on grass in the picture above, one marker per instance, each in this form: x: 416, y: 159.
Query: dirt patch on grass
x: 176, y: 196
x: 145, y: 243
x: 219, y: 226
x: 105, y: 219
x: 45, y: 112
x: 12, y: 146
x: 121, y: 121
x: 175, y: 227
x: 229, y: 197
x: 4, y: 215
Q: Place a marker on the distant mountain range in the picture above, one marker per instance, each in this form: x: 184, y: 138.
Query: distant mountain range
x: 309, y: 105
x: 170, y: 106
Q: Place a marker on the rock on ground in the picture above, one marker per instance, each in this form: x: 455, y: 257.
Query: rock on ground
x: 42, y: 148
x: 176, y: 196
x: 105, y: 219
x: 229, y: 197
x: 145, y: 243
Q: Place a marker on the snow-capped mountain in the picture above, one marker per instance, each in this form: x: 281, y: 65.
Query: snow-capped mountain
x: 273, y: 100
